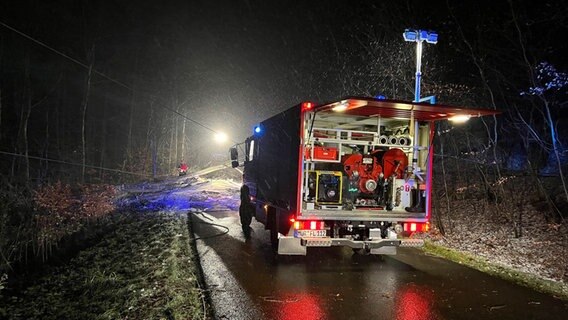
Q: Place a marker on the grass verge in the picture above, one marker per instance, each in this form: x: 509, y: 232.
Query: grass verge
x: 144, y: 269
x: 554, y: 288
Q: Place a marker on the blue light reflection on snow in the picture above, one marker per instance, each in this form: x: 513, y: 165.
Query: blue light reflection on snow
x: 184, y: 199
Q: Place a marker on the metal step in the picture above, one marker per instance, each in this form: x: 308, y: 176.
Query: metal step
x: 317, y: 242
x: 415, y: 243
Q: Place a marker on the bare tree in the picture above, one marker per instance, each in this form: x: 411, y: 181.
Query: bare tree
x: 1, y: 51
x: 103, y: 138
x: 84, y: 112
x: 26, y: 112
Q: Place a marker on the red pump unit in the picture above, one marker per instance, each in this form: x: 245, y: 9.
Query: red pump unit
x: 364, y: 168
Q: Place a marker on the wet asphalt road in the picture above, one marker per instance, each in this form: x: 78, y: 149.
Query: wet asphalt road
x: 247, y: 281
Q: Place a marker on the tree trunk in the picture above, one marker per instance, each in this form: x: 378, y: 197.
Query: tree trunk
x: 84, y: 115
x: 59, y: 122
x: 103, y: 141
x: 555, y: 147
x: 16, y: 160
x: 131, y: 115
x: 26, y: 117
x: 45, y: 153
x: 183, y: 155
x: 176, y: 122
x: 171, y: 144
x: 128, y: 156
x: 149, y: 142
x: 154, y: 156
x: 0, y: 114
x: 1, y: 50
x: 446, y: 191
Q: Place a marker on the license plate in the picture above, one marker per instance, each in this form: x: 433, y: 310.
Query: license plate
x: 311, y: 233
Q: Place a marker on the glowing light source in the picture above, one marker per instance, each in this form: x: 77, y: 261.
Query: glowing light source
x: 459, y: 118
x: 257, y: 129
x: 419, y: 36
x: 413, y: 227
x: 341, y: 107
x: 307, y: 106
x: 220, y: 137
x: 410, y: 35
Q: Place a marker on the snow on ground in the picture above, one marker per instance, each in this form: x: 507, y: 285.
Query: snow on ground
x: 542, y: 250
x: 182, y: 193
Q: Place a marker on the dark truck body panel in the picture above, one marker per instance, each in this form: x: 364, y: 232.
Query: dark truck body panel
x: 272, y: 175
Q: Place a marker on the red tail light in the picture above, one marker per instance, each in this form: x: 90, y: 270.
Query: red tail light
x: 311, y: 225
x: 416, y: 227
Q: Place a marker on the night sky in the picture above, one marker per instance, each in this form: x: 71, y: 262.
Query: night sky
x: 230, y: 64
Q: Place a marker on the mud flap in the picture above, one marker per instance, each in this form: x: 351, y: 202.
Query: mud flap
x: 386, y: 250
x: 290, y: 246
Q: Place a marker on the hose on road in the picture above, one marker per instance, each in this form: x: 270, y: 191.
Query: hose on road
x: 209, y: 224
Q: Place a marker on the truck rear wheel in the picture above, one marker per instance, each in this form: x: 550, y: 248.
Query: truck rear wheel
x: 273, y: 224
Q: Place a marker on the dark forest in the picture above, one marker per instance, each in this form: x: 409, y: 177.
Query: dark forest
x: 95, y: 94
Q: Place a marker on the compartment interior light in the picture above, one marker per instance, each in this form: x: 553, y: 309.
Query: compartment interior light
x: 459, y: 118
x: 341, y: 107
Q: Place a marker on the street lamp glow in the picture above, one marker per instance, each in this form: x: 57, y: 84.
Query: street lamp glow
x: 220, y: 137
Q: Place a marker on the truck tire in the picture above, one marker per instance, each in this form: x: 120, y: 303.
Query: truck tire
x: 273, y: 224
x: 246, y: 210
x: 245, y: 224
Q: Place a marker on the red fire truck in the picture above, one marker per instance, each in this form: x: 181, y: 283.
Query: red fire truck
x: 355, y: 172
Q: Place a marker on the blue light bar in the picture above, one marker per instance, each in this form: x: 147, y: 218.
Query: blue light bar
x: 410, y: 35
x: 432, y: 37
x: 420, y: 35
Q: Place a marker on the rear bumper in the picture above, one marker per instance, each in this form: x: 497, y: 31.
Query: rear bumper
x: 297, y: 246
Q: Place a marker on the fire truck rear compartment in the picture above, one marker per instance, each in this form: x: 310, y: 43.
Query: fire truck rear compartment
x: 360, y: 160
x: 359, y: 165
